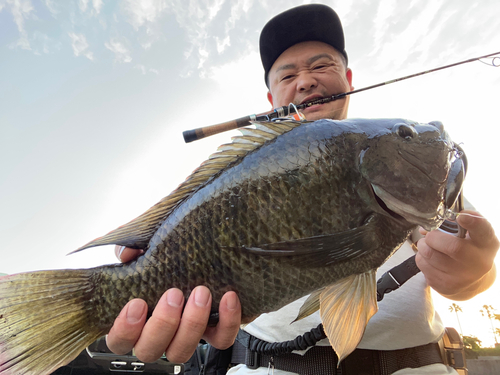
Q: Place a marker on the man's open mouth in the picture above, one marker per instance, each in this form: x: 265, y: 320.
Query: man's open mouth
x: 309, y: 102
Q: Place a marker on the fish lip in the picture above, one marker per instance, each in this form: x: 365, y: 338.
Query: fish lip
x: 456, y: 177
x: 428, y: 220
x: 428, y: 174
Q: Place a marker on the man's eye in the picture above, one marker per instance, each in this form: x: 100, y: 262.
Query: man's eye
x: 319, y: 67
x: 287, y: 77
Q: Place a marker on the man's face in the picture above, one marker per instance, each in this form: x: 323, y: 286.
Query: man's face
x: 308, y: 71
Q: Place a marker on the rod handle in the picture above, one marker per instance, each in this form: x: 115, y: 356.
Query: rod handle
x: 206, y: 131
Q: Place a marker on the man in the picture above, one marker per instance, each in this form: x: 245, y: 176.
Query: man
x: 304, y: 58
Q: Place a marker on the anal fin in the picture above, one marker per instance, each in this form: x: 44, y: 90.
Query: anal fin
x: 310, y: 305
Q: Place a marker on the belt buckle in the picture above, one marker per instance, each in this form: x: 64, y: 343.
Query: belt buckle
x: 252, y: 359
x: 453, y: 351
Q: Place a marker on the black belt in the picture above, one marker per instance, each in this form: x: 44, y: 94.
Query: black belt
x: 322, y: 360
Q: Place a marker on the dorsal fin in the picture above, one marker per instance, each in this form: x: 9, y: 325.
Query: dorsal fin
x: 138, y: 232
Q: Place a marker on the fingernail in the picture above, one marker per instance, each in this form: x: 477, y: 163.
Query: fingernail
x: 175, y: 298
x: 201, y: 296
x: 231, y: 302
x: 135, y: 311
x: 120, y: 252
x: 465, y: 219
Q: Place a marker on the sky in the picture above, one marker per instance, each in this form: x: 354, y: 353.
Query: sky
x: 95, y: 94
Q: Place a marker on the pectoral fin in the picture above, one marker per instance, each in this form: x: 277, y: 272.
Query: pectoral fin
x: 345, y: 309
x: 320, y: 251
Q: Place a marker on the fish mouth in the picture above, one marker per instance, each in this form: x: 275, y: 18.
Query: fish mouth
x: 431, y: 218
x: 400, y: 210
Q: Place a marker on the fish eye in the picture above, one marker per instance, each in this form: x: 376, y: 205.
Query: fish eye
x: 404, y: 131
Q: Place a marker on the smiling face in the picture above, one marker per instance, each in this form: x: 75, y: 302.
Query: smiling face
x: 308, y: 71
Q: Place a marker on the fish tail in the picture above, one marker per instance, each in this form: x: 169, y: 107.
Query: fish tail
x: 45, y: 320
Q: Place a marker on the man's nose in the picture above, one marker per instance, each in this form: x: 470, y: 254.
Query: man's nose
x: 306, y: 82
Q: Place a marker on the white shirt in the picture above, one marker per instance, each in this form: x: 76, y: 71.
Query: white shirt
x: 406, y: 318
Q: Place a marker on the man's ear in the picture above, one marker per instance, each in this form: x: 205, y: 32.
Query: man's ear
x: 270, y: 98
x: 348, y: 75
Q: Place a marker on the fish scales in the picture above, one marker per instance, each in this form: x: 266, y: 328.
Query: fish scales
x: 308, y: 170
x: 316, y: 208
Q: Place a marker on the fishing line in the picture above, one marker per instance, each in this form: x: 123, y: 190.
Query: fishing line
x: 299, y: 116
x: 452, y: 215
x: 451, y: 226
x: 199, y: 133
x: 466, y: 214
x: 492, y: 62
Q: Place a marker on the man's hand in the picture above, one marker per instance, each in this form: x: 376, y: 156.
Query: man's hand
x: 173, y: 328
x: 459, y: 268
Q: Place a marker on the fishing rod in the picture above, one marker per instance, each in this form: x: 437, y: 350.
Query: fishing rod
x: 199, y: 133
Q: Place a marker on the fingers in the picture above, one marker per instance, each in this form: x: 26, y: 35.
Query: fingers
x: 126, y: 254
x: 174, y: 329
x: 480, y: 230
x: 161, y: 327
x: 459, y: 266
x: 164, y: 332
x: 223, y: 335
x: 444, y: 274
x: 480, y: 244
x: 439, y: 247
x: 191, y: 328
x: 127, y: 327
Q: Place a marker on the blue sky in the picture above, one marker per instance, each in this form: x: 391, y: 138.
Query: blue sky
x: 94, y: 96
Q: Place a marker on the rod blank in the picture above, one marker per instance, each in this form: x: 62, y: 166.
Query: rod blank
x: 199, y: 133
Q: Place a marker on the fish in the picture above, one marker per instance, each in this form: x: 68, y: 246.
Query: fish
x: 285, y: 210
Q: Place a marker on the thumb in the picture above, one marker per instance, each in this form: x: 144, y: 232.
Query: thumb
x: 126, y: 254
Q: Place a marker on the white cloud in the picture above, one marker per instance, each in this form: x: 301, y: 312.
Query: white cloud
x: 51, y: 6
x: 416, y: 24
x: 21, y: 10
x: 43, y: 44
x: 145, y: 70
x: 222, y: 44
x: 141, y: 67
x: 122, y: 54
x: 381, y: 22
x: 214, y: 8
x: 83, y: 4
x: 80, y: 45
x: 96, y: 6
x: 237, y: 11
x: 240, y: 73
x: 196, y: 18
x: 22, y: 43
x: 147, y: 45
x: 145, y: 11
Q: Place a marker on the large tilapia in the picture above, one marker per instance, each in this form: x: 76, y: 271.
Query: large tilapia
x: 285, y: 210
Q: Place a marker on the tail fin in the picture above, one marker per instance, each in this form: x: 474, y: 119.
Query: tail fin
x: 45, y: 320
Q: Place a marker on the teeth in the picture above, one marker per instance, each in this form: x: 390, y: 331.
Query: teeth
x: 311, y: 102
